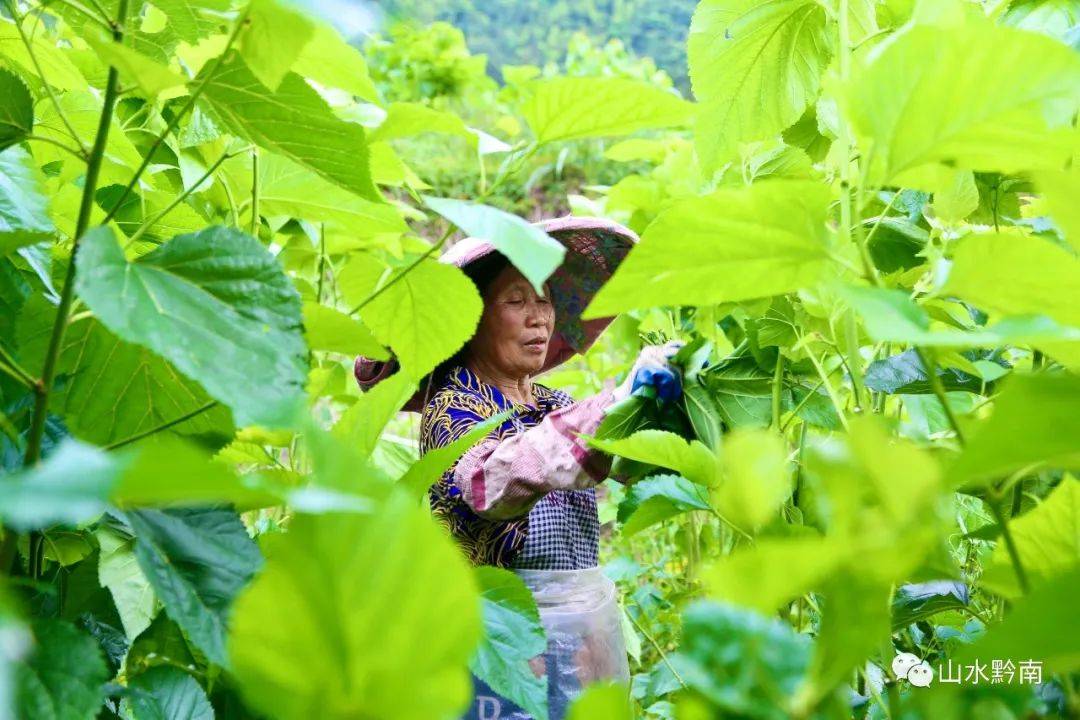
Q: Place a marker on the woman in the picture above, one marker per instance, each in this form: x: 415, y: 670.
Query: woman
x: 523, y: 497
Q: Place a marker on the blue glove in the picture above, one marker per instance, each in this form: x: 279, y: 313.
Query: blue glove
x: 653, y: 368
x: 666, y: 380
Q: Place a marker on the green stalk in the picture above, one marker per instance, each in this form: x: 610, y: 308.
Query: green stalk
x: 44, y: 82
x: 927, y: 360
x: 151, y: 221
x: 777, y: 389
x: 255, y: 193
x: 1010, y: 543
x: 175, y: 121
x: 163, y: 426
x: 93, y: 169
x: 434, y: 249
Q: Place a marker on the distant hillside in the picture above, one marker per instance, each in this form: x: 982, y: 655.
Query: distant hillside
x: 517, y: 32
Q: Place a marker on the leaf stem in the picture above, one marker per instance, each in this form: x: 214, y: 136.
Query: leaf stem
x: 663, y: 655
x: 175, y: 120
x: 103, y: 20
x: 926, y: 357
x: 67, y: 148
x: 254, y: 192
x: 777, y: 389
x: 164, y: 426
x: 151, y: 221
x: 412, y: 266
x: 1010, y: 543
x: 93, y: 169
x: 41, y: 74
x: 15, y: 369
x: 828, y: 387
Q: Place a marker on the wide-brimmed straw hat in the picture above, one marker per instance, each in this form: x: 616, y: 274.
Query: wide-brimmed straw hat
x: 594, y: 249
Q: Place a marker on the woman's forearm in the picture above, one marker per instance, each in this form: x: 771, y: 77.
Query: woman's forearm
x: 504, y: 479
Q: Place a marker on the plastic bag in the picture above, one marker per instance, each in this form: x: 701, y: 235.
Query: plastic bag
x: 581, y: 616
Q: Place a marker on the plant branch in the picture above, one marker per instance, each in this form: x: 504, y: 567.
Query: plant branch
x: 1010, y: 543
x: 412, y: 266
x: 93, y: 169
x: 927, y: 360
x: 67, y: 148
x: 44, y: 81
x: 164, y: 426
x: 254, y: 192
x: 663, y: 655
x: 151, y: 221
x: 175, y: 120
x: 777, y: 389
x: 102, y: 20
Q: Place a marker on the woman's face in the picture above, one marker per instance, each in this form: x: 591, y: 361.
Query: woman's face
x: 515, y: 328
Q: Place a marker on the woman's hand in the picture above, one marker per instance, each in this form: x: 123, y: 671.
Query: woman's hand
x: 652, y: 361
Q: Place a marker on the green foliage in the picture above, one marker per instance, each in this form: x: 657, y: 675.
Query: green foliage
x: 23, y: 208
x: 301, y: 646
x: 513, y: 636
x: 216, y: 304
x: 64, y: 675
x: 863, y: 231
x: 755, y: 67
x: 166, y: 693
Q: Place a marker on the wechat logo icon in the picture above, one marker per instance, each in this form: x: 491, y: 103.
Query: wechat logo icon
x: 909, y: 667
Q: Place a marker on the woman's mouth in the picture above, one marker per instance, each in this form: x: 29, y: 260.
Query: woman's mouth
x: 536, y: 346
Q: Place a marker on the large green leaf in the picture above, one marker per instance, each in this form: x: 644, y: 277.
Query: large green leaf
x: 151, y: 77
x: 216, y: 304
x: 659, y: 498
x: 168, y: 693
x: 292, y: 121
x: 691, y: 459
x: 1034, y: 421
x: 119, y: 572
x: 533, y: 252
x: 329, y: 60
x: 1037, y: 629
x: 16, y: 112
x: 350, y: 611
x: 113, y: 390
x: 361, y: 425
x: 405, y: 119
x: 905, y: 374
x: 64, y: 677
x: 330, y: 329
x: 756, y: 478
x: 908, y: 112
x: 426, y: 316
x: 1015, y: 274
x: 1047, y: 541
x: 567, y: 108
x: 1059, y: 189
x: 194, y: 19
x: 774, y: 571
x: 286, y: 188
x: 743, y: 663
x: 602, y: 700
x: 197, y: 561
x: 736, y: 244
x: 56, y: 68
x: 755, y: 66
x: 854, y: 625
x: 69, y: 487
x: 513, y: 636
x: 274, y: 35
x: 891, y: 316
x: 24, y: 219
